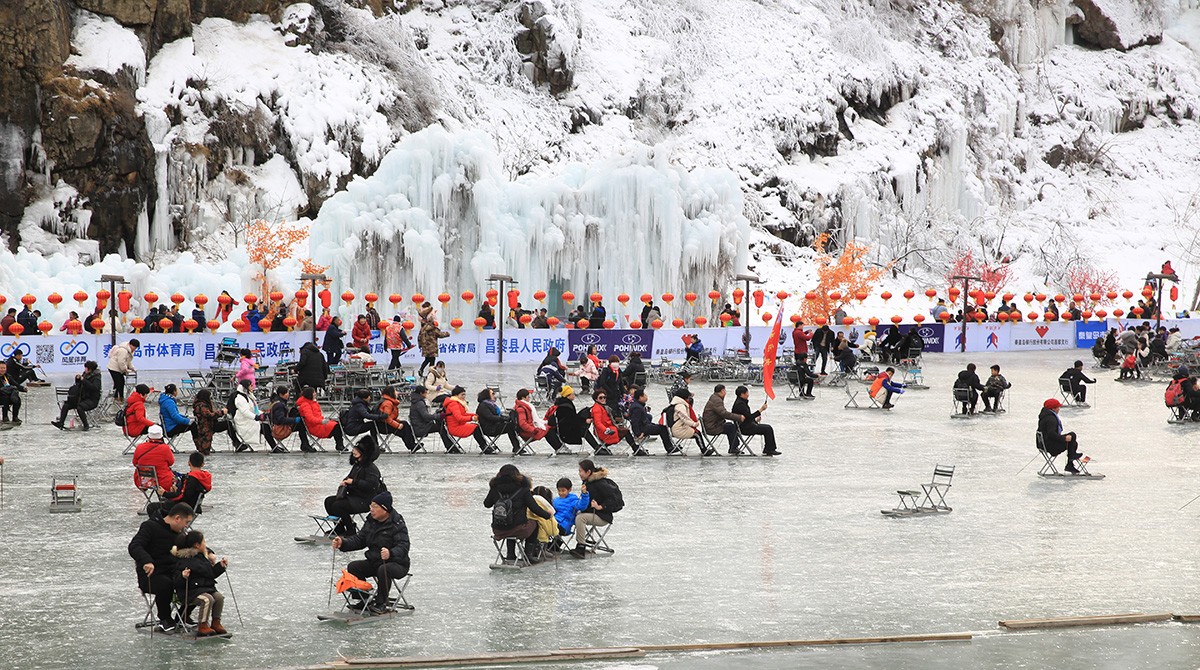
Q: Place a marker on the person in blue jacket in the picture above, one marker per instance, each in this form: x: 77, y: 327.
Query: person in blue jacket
x: 566, y: 506
x: 173, y: 422
x: 253, y: 316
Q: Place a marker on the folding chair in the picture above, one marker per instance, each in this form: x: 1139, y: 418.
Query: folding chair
x: 795, y: 391
x: 1049, y: 469
x: 133, y: 440
x: 744, y: 443
x: 520, y: 560
x: 146, y: 480
x: 455, y: 445
x: 706, y: 442
x: 357, y: 600
x: 1179, y: 414
x: 998, y: 403
x: 936, y: 489
x: 1068, y: 397
x: 908, y: 501
x: 595, y: 540
x: 852, y: 394
x: 962, y: 402
x: 64, y: 494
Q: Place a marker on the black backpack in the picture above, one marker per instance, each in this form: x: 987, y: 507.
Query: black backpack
x: 119, y: 419
x: 230, y: 405
x: 618, y: 501
x: 506, y: 513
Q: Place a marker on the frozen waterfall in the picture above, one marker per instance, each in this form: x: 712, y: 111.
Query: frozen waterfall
x: 440, y: 214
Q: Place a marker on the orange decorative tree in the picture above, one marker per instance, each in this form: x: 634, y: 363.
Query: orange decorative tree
x: 846, y: 274
x: 269, y: 243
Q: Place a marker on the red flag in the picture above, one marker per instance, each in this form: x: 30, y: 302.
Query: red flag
x: 769, y: 352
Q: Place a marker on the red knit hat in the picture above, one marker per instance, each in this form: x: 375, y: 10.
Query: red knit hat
x: 1052, y: 403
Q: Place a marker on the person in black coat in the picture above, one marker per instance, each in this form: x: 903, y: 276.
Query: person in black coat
x: 385, y: 537
x: 632, y: 369
x: 83, y: 397
x: 1072, y: 381
x: 912, y: 345
x: 1054, y: 441
x: 151, y: 552
x: 493, y: 420
x: 967, y: 389
x: 570, y: 423
x: 606, y: 500
x: 312, y: 368
x: 282, y: 416
x: 1111, y: 349
x: 357, y: 489
x: 821, y: 342
x: 360, y: 418
x: 335, y: 341
x: 610, y: 382
x: 752, y: 421
x: 641, y: 424
x: 196, y: 581
x: 509, y: 491
x: 423, y: 420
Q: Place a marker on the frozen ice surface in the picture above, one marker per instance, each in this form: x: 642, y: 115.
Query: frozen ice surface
x: 713, y: 550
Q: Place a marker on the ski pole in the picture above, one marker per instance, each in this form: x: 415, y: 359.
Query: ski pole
x: 1026, y: 465
x: 332, y: 563
x: 1189, y: 502
x: 233, y: 597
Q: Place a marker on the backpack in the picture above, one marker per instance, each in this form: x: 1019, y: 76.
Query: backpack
x: 119, y: 419
x: 1174, y: 395
x: 230, y: 405
x: 506, y: 513
x: 618, y: 502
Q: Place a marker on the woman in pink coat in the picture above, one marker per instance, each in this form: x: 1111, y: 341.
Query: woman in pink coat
x: 247, y: 368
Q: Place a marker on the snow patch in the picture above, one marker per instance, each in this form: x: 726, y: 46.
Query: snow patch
x: 100, y: 43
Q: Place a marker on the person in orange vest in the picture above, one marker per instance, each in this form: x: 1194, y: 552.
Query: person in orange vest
x: 884, y: 383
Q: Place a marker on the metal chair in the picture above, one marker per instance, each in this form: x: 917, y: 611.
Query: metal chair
x: 146, y: 480
x: 852, y: 394
x: 745, y: 448
x: 64, y: 494
x: 938, y: 486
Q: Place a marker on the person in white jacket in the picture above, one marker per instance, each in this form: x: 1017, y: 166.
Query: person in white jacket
x: 120, y: 363
x: 683, y: 426
x: 246, y: 425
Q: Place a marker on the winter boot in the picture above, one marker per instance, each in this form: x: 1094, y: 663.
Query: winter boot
x: 204, y: 630
x: 218, y: 628
x: 533, y: 550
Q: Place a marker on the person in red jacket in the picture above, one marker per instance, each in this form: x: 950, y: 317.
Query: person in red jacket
x: 460, y: 421
x: 315, y: 422
x: 136, y: 422
x: 158, y: 454
x: 530, y: 424
x: 800, y: 340
x: 360, y: 334
x: 607, y: 431
x: 197, y: 482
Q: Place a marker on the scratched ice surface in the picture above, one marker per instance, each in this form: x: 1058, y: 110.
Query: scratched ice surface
x: 712, y: 550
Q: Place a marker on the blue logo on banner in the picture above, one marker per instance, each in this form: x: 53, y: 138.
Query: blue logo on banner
x: 609, y: 342
x: 1086, y: 333
x: 79, y: 348
x: 931, y: 334
x: 9, y: 348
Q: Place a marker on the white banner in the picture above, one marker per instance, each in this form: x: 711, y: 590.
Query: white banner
x: 1041, y: 336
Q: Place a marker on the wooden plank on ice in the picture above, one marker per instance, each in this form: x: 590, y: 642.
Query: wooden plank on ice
x: 1094, y: 620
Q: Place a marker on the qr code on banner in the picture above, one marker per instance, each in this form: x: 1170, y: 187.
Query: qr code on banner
x: 44, y: 354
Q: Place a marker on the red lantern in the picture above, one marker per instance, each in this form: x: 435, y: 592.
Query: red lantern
x: 596, y: 297
x: 201, y: 300
x: 980, y: 299
x: 213, y: 325
x: 395, y: 299
x: 1033, y: 316
x: 835, y: 296
x: 177, y: 299
x: 417, y: 298
x: 886, y: 295
x: 480, y: 322
x: 1059, y: 298
x: 1095, y: 297
x: 821, y: 321
x: 583, y: 324
x: 945, y: 317
x: 3, y: 300
x: 289, y: 322
x: 700, y: 321
x: 623, y: 298
x: 738, y: 294
x: 241, y: 326
x: 264, y: 325
x: 16, y: 329
x: 690, y: 298
x: 714, y: 296
x: 80, y: 297
x: 552, y: 322
x: 151, y: 298
x: 677, y: 322
x: 1101, y: 314
x: 1049, y: 316
x: 224, y: 300
x: 919, y: 318
x: 909, y: 294
x: 725, y: 318
x: 1174, y: 293
x: 567, y: 297
x: 846, y: 321
x: 371, y: 298
x: 1086, y: 314
x: 810, y: 296
x: 668, y: 298
x: 1002, y: 317
x: 137, y: 324
x: 45, y: 327
x: 1137, y: 311
x: 897, y: 319
x: 467, y: 297
x: 647, y: 298
x: 1065, y: 316
x: 27, y: 300
x: 1127, y: 294
x: 166, y: 324
x: 1028, y: 298
x: 526, y: 319
x: 1007, y: 297
x: 275, y: 296
x: 458, y: 323
x: 1014, y: 316
x: 325, y: 297
x: 795, y: 319
x: 1078, y: 298
x: 656, y: 324
x: 408, y: 325
x: 758, y: 298
x: 766, y: 317
x: 251, y: 299
x: 539, y: 295
x: 873, y: 322
x: 347, y: 297
x: 989, y: 294
x: 98, y: 325
x: 54, y: 299
x: 1111, y: 295
x: 513, y: 296
x: 609, y: 324
x: 190, y: 325
x: 954, y: 292
x: 1147, y: 292
x: 124, y: 299
x: 444, y: 298
x: 979, y: 316
x: 860, y: 296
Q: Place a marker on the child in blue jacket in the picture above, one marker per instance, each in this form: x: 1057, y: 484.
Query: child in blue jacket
x: 567, y: 505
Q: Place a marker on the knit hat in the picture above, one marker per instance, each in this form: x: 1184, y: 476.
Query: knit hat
x: 457, y: 390
x: 154, y: 432
x: 566, y: 391
x: 384, y: 500
x: 1052, y: 403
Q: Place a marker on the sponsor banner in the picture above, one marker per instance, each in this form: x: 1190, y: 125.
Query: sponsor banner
x: 934, y: 334
x: 1087, y: 332
x: 1041, y: 336
x: 54, y: 353
x: 525, y: 345
x: 980, y: 337
x: 609, y: 342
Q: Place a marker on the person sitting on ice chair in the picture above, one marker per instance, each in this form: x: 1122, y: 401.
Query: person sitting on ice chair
x: 1054, y: 441
x: 385, y: 537
x: 1072, y: 381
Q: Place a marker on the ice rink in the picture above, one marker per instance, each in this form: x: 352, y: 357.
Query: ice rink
x: 710, y: 550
